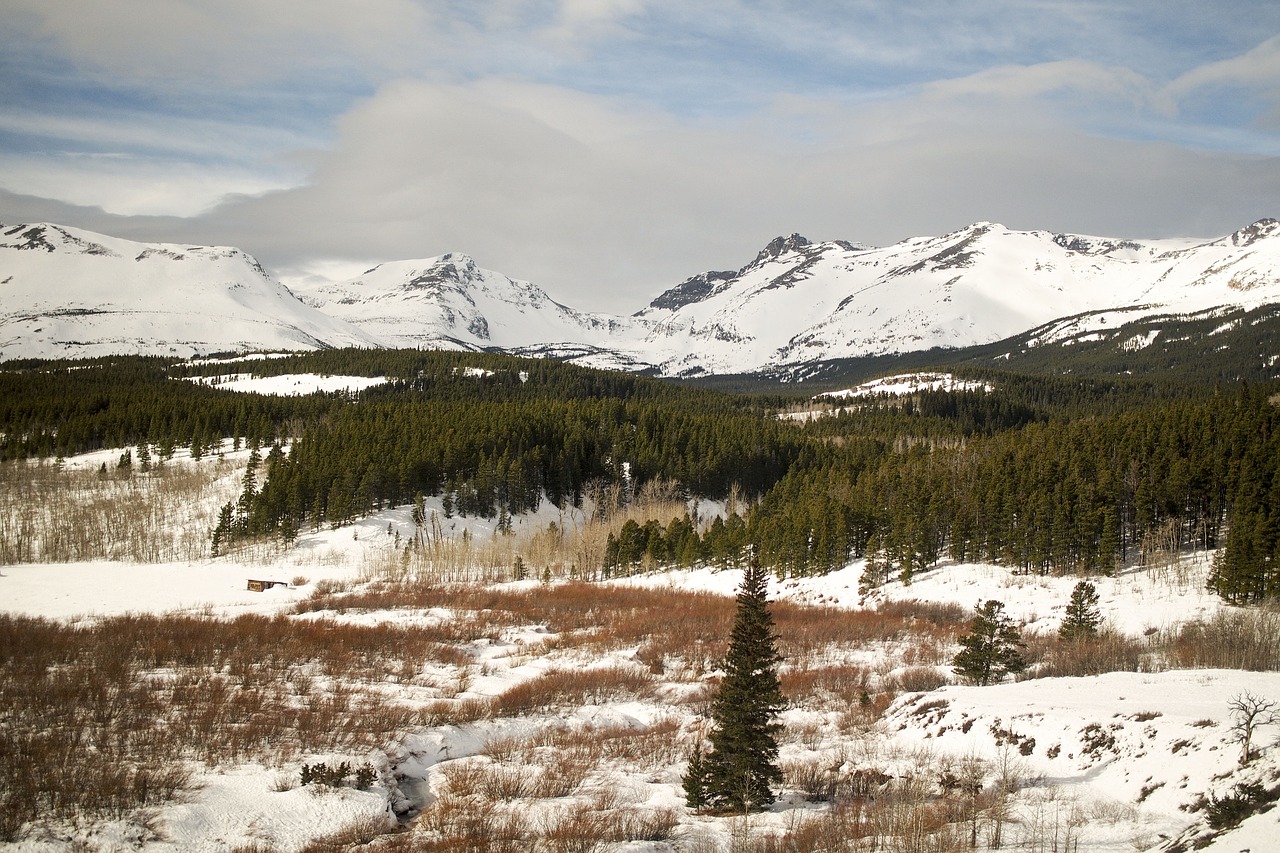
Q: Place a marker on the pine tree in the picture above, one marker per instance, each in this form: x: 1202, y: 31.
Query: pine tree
x: 1082, y: 618
x: 992, y: 648
x: 739, y: 771
x: 695, y: 780
x: 222, y: 532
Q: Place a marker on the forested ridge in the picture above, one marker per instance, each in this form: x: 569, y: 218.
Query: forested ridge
x: 1042, y: 474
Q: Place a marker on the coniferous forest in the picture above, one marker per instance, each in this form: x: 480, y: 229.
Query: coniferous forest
x: 1042, y: 474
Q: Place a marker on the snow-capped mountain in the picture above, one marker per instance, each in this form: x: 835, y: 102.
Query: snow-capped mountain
x: 73, y: 293
x: 70, y: 293
x: 449, y: 302
x: 800, y: 302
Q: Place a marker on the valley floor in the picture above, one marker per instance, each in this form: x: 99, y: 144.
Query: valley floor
x: 504, y: 744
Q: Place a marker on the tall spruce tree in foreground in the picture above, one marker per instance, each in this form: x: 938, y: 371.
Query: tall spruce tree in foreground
x: 993, y: 647
x: 738, y: 773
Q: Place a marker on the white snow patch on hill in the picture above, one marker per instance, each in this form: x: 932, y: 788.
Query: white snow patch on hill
x: 290, y: 384
x: 903, y: 384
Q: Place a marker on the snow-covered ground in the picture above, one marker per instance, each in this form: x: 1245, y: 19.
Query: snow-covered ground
x: 907, y: 383
x: 1110, y: 763
x: 290, y: 384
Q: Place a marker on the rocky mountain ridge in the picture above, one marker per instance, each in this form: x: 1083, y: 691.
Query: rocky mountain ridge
x: 70, y: 293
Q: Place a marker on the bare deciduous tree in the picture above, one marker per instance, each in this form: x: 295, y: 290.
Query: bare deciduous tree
x: 1248, y: 712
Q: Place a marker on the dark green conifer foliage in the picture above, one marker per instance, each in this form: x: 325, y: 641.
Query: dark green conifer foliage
x: 738, y: 773
x: 993, y: 647
x: 695, y: 779
x: 1082, y: 617
x: 223, y: 532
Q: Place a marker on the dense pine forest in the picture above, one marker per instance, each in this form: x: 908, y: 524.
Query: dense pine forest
x: 1043, y: 474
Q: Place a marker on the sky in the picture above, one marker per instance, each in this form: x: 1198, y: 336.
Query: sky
x: 609, y: 149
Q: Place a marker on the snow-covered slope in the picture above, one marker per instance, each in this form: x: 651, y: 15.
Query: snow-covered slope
x: 449, y: 302
x: 69, y: 293
x: 801, y: 302
x: 72, y: 293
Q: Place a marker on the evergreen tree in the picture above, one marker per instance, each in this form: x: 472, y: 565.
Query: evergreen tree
x: 695, y: 779
x: 992, y: 648
x: 1082, y: 618
x: 222, y: 533
x: 739, y: 771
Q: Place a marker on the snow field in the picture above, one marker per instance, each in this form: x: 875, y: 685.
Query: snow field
x: 550, y: 732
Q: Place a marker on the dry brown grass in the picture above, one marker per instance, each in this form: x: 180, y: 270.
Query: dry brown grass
x: 104, y: 719
x: 149, y: 694
x: 565, y: 688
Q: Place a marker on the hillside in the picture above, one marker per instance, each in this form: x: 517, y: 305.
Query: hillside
x: 69, y: 293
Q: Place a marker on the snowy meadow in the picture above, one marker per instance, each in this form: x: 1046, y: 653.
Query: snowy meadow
x: 407, y: 685
x: 423, y: 680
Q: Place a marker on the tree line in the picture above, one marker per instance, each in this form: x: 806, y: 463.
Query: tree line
x: 1045, y: 475
x: 1064, y: 496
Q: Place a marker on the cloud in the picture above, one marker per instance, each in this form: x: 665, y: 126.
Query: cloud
x: 232, y: 41
x: 1257, y: 69
x: 606, y: 203
x: 1050, y: 78
x: 126, y: 185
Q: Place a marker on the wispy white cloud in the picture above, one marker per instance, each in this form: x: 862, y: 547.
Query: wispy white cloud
x: 1257, y: 69
x: 232, y: 41
x: 129, y: 131
x: 126, y: 185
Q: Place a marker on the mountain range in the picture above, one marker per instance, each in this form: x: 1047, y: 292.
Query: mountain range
x: 67, y: 293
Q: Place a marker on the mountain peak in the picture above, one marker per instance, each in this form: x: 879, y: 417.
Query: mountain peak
x: 1259, y: 230
x: 777, y: 247
x: 451, y: 268
x: 45, y: 237
x: 693, y: 289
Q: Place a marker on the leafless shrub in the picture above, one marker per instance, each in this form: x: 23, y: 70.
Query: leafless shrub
x: 1247, y: 639
x: 577, y: 829
x: 357, y: 834
x: 1106, y: 651
x: 507, y: 749
x: 329, y: 586
x: 563, y: 771
x: 470, y: 824
x: 566, y: 687
x: 843, y: 828
x: 464, y: 777
x: 649, y: 747
x: 88, y: 730
x: 921, y: 679
x: 834, y: 685
x: 818, y: 780
x: 506, y: 783
x: 641, y: 824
